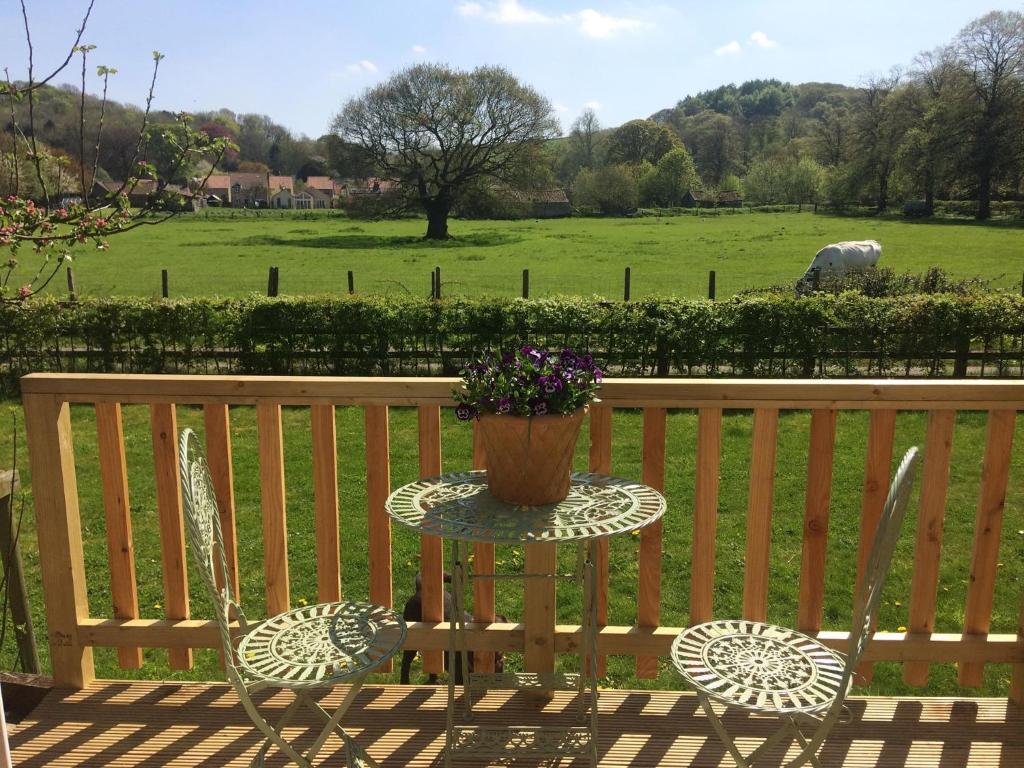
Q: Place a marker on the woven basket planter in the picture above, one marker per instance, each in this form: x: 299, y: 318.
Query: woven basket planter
x: 529, y: 458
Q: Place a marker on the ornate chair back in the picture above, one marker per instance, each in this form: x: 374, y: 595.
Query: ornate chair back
x: 206, y: 539
x: 869, y: 594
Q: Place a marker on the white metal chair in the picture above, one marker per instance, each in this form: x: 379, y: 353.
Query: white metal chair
x: 766, y: 669
x: 302, y: 650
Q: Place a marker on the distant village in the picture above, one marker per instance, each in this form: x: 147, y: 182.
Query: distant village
x: 258, y: 190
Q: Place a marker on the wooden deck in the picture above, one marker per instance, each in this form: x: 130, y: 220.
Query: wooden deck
x: 193, y: 724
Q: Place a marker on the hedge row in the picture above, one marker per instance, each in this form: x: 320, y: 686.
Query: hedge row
x: 774, y: 335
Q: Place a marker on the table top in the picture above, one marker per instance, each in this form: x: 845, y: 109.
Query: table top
x: 459, y: 506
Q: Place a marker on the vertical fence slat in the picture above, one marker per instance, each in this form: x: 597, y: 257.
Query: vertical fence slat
x: 483, y: 563
x: 117, y: 514
x: 539, y: 611
x: 164, y: 424
x: 601, y: 462
x: 881, y: 431
x: 653, y: 474
x: 431, y: 553
x: 988, y: 526
x: 816, y: 512
x: 705, y: 514
x: 325, y: 503
x: 759, y: 513
x: 272, y: 502
x: 1017, y: 673
x: 59, y: 533
x: 938, y: 448
x: 378, y: 488
x: 217, y: 425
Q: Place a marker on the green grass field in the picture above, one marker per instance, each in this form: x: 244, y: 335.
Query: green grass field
x: 786, y: 533
x: 221, y: 255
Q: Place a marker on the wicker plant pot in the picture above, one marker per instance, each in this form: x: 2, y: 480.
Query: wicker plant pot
x: 529, y: 458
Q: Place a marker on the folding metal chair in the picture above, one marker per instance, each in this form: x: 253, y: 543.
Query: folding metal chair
x: 766, y: 669
x: 302, y: 650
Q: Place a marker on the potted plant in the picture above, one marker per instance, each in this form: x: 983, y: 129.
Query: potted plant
x: 530, y: 406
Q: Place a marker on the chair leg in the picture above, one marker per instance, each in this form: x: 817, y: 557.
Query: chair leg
x: 333, y: 722
x: 723, y: 734
x: 808, y: 753
x: 273, y: 733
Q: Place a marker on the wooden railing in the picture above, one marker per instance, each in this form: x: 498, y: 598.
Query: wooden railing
x: 73, y: 631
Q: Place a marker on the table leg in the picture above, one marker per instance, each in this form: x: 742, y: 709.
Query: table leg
x: 450, y: 715
x: 459, y: 614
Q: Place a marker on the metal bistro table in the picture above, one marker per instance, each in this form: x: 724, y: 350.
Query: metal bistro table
x: 459, y: 508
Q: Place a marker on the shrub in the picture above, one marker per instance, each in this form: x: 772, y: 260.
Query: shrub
x: 779, y: 334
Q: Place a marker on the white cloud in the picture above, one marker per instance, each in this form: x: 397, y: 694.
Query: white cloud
x: 560, y: 107
x: 729, y: 48
x: 600, y: 25
x: 419, y: 50
x: 512, y: 12
x: 469, y: 9
x: 362, y: 66
x: 761, y: 40
x: 588, y: 22
x: 592, y: 104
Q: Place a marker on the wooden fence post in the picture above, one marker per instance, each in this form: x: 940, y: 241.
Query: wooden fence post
x: 625, y: 292
x: 437, y: 282
x: 21, y: 616
x: 526, y: 283
x: 163, y: 283
x: 273, y: 283
x: 55, y: 492
x: 711, y: 285
x: 351, y: 282
x: 72, y: 293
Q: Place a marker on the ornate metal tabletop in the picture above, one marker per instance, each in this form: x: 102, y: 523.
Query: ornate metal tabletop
x: 459, y: 506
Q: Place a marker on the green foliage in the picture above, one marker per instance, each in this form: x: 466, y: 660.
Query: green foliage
x: 772, y: 334
x: 612, y: 189
x: 640, y: 140
x: 674, y: 176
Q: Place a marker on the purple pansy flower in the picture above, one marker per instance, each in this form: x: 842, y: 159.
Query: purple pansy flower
x: 463, y: 412
x: 550, y: 384
x: 598, y: 375
x: 586, y: 361
x: 568, y: 358
x: 504, y: 405
x: 539, y: 407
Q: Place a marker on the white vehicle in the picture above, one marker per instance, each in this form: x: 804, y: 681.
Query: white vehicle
x: 837, y: 259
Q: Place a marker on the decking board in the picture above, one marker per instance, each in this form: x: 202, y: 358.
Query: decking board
x: 134, y: 724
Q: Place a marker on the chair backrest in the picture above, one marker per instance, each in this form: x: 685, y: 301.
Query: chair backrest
x: 205, y: 538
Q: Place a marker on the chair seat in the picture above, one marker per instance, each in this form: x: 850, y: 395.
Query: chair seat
x: 320, y: 645
x: 759, y: 667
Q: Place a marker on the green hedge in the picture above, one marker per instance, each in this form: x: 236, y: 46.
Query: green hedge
x: 773, y: 335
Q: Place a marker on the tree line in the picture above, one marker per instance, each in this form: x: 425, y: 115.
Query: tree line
x: 949, y: 126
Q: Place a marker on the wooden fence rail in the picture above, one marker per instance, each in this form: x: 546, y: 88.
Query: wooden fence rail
x: 73, y: 632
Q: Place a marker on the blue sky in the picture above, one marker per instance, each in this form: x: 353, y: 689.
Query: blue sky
x: 298, y: 60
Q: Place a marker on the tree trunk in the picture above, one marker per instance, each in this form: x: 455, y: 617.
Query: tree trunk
x: 437, y: 219
x: 929, y: 191
x: 984, y: 196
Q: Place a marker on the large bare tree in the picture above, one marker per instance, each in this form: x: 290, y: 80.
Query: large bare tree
x: 436, y: 129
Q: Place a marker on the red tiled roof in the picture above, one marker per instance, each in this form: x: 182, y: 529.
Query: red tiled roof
x: 281, y: 182
x: 218, y: 181
x: 324, y: 183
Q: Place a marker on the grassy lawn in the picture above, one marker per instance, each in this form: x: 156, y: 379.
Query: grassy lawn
x: 786, y: 533
x: 218, y: 254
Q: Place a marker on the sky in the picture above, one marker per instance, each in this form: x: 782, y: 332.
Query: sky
x: 298, y: 61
